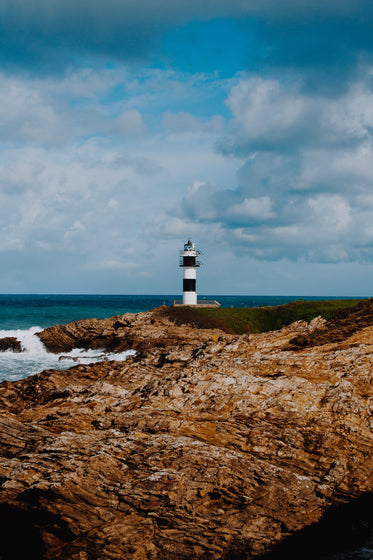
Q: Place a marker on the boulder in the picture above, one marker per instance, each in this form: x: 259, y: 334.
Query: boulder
x: 10, y: 343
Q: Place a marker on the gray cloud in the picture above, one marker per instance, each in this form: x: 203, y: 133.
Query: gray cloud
x: 205, y: 203
x: 319, y: 227
x: 46, y: 36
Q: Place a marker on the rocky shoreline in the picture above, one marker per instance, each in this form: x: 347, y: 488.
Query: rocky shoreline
x: 202, y: 445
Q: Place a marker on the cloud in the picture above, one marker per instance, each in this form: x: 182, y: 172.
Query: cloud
x: 320, y: 227
x: 269, y: 115
x: 87, y: 200
x: 28, y: 115
x: 45, y: 37
x: 305, y: 180
x: 53, y: 200
x: 121, y: 105
x: 185, y: 122
x: 142, y: 165
x: 205, y: 203
x: 128, y: 123
x: 110, y: 110
x: 253, y: 209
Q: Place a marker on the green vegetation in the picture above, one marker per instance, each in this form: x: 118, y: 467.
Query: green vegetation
x: 256, y: 319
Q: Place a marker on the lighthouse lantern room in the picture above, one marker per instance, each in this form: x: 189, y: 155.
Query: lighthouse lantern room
x: 189, y: 263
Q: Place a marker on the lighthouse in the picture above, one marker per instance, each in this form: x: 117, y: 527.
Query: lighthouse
x: 189, y: 263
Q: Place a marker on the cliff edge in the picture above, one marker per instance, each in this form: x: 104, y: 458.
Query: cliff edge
x: 202, y: 445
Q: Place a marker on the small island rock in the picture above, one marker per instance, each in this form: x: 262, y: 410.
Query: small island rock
x: 10, y: 343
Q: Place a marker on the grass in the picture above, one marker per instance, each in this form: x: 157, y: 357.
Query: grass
x: 240, y: 320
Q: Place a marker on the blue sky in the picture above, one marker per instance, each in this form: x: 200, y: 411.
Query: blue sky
x: 128, y: 127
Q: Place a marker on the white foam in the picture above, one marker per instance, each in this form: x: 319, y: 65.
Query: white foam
x: 30, y: 343
x: 35, y: 358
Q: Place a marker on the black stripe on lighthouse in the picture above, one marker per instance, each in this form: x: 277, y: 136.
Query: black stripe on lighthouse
x: 189, y: 261
x: 189, y: 285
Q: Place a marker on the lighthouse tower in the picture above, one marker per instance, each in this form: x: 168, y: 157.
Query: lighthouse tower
x: 189, y: 263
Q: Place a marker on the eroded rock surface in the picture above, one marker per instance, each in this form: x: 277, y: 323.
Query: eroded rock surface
x: 140, y: 331
x: 344, y: 324
x: 203, y: 445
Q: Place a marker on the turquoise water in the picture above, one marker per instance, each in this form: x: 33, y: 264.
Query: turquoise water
x: 22, y: 316
x: 25, y: 311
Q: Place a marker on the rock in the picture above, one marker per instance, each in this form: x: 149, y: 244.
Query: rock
x: 141, y: 331
x: 10, y: 343
x: 344, y: 324
x: 203, y: 445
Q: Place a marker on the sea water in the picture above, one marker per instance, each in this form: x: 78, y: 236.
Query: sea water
x: 23, y: 316
x: 35, y: 358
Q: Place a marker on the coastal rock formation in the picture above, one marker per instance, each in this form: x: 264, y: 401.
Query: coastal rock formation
x: 10, y: 343
x: 344, y: 323
x: 140, y: 331
x: 202, y: 445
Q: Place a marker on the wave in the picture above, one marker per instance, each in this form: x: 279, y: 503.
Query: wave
x: 34, y: 357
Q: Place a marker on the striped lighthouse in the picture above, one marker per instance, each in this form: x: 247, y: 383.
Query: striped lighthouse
x: 189, y: 263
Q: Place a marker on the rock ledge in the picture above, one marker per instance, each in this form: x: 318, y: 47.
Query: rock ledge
x: 203, y: 445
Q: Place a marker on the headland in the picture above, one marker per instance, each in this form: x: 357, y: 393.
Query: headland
x: 205, y: 444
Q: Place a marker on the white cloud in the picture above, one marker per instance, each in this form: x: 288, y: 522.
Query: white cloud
x: 185, y: 122
x: 263, y: 110
x: 89, y: 200
x: 27, y: 114
x: 129, y: 123
x: 332, y: 212
x: 93, y: 195
x: 269, y: 115
x: 121, y: 104
x: 304, y: 199
x: 258, y: 208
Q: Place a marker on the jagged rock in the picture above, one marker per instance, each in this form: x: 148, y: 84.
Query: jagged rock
x: 10, y: 343
x: 71, y: 358
x: 203, y: 445
x: 344, y: 324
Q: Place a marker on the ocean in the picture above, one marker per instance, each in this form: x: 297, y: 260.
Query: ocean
x: 22, y: 316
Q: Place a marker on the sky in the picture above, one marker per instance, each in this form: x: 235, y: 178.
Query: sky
x: 128, y: 127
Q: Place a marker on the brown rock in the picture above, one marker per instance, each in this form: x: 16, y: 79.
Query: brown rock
x: 204, y: 445
x: 344, y: 324
x: 123, y: 332
x: 10, y: 343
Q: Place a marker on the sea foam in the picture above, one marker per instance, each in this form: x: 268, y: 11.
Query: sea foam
x: 35, y: 358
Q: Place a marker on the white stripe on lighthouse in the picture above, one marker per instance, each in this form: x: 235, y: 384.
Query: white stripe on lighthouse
x: 190, y: 272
